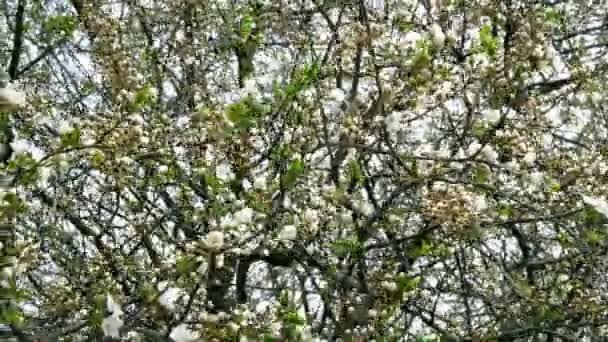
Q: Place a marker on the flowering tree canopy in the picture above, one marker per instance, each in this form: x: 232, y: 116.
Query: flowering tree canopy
x: 303, y: 170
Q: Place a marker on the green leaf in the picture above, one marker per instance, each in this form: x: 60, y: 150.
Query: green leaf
x: 246, y: 27
x: 293, y: 318
x: 268, y: 338
x: 506, y: 210
x: 481, y: 175
x: 246, y: 113
x: 488, y: 41
x: 594, y: 237
x: 479, y: 130
x: 591, y: 216
x: 291, y: 176
x: 428, y: 338
x: 142, y: 97
x: 552, y: 16
x: 343, y: 248
x: 97, y: 159
x: 62, y: 24
x: 12, y: 316
x: 185, y: 265
x: 425, y: 248
x: 355, y: 172
x: 408, y: 284
x: 71, y: 138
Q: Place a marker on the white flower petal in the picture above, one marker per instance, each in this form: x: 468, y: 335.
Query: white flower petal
x: 599, y: 204
x: 289, y: 232
x: 10, y: 99
x: 215, y: 240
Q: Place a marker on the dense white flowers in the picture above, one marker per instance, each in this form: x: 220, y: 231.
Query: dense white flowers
x: 181, y: 333
x: 168, y: 298
x: 492, y: 116
x: 310, y: 216
x: 599, y: 204
x: 289, y: 232
x: 243, y: 216
x: 530, y: 157
x: 23, y: 146
x: 490, y: 154
x: 390, y: 286
x: 437, y: 35
x: 11, y: 99
x: 20, y: 146
x: 259, y: 183
x: 224, y: 172
x: 393, y: 122
x: 111, y: 324
x: 337, y: 95
x: 537, y: 178
x: 215, y: 240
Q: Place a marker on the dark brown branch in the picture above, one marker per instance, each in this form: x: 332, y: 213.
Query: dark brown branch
x: 17, y: 40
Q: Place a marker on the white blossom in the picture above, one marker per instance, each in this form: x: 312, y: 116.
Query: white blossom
x: 22, y: 146
x: 490, y: 154
x: 168, y: 298
x: 492, y: 115
x: 189, y: 60
x: 64, y: 127
x: 437, y: 35
x: 530, y: 157
x: 372, y: 313
x: 224, y: 172
x: 111, y: 324
x: 599, y: 204
x: 480, y: 203
x: 181, y: 333
x: 244, y: 216
x: 259, y: 183
x: 215, y: 240
x: 11, y: 99
x: 473, y: 148
x: 537, y: 178
x: 366, y: 208
x: 288, y: 232
x: 393, y: 122
x: 337, y: 95
x: 310, y: 216
x: 390, y: 286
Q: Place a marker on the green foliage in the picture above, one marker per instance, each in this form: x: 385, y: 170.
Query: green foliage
x: 245, y: 114
x: 61, y: 25
x: 246, y: 27
x: 343, y: 248
x: 423, y: 56
x: 142, y: 97
x: 488, y: 41
x: 355, y: 171
x: 71, y: 138
x: 302, y: 80
x: 425, y: 248
x: 481, y: 174
x: 296, y: 169
x: 506, y: 210
x: 407, y: 284
x: 185, y: 265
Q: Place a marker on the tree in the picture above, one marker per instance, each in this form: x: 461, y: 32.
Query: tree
x: 305, y: 170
